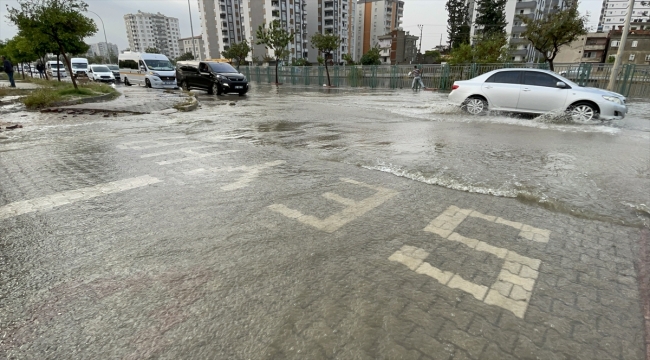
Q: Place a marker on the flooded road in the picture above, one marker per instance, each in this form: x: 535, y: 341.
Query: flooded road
x: 597, y: 170
x: 304, y: 223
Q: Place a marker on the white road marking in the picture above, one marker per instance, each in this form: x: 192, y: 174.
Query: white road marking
x: 353, y: 210
x: 516, y: 280
x: 152, y: 144
x: 68, y: 197
x: 250, y: 173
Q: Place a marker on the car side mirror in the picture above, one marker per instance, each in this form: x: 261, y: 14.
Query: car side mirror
x: 142, y: 68
x: 560, y: 84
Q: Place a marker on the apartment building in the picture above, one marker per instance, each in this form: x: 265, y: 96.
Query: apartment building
x: 613, y: 12
x: 637, y: 47
x: 193, y: 46
x: 372, y: 19
x: 148, y: 30
x: 590, y: 48
x: 226, y: 22
x: 330, y: 17
x: 398, y: 48
x: 103, y: 49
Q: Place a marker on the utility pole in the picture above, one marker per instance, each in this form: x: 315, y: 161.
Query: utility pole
x: 420, y: 26
x: 621, y: 47
x: 440, y: 45
x: 192, y: 32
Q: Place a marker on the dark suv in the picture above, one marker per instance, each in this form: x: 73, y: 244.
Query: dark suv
x: 214, y: 77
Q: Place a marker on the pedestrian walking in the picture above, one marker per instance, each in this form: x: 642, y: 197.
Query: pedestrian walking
x: 41, y: 69
x: 417, y: 77
x: 9, y: 69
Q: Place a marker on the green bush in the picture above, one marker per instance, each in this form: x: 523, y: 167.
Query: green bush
x: 80, y: 91
x: 41, y: 98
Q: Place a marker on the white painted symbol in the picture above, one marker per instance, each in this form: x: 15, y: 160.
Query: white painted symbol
x: 514, y: 285
x: 68, y: 197
x: 190, y: 154
x: 353, y: 209
x: 250, y: 173
x: 152, y: 144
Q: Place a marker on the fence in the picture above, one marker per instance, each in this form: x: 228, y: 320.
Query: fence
x: 633, y: 80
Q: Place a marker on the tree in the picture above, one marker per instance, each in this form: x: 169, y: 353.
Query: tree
x: 348, y: 59
x: 371, y: 57
x: 326, y: 44
x: 152, y: 50
x: 185, y: 57
x: 60, y: 21
x: 20, y: 51
x: 432, y: 56
x: 238, y: 52
x: 275, y: 38
x: 486, y: 50
x: 458, y: 28
x: 491, y: 17
x: 560, y: 27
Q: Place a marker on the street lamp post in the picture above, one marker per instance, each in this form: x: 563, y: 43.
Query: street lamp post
x: 108, y: 49
x: 192, y: 32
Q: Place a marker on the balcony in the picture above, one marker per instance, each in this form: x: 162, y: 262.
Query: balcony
x: 526, y: 5
x: 595, y: 47
x: 518, y: 40
x: 518, y: 29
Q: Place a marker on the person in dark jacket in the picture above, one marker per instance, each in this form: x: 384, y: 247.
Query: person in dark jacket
x: 9, y: 69
x: 41, y: 69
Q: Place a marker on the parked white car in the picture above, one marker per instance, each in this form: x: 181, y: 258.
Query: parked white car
x: 101, y: 73
x: 535, y: 91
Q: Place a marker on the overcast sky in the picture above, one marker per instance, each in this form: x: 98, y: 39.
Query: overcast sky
x: 430, y: 13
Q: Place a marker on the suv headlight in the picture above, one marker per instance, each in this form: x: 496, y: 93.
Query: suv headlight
x: 613, y: 99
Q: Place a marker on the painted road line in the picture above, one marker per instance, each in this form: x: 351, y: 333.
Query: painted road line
x: 250, y: 173
x: 71, y: 196
x: 353, y: 210
x: 152, y: 144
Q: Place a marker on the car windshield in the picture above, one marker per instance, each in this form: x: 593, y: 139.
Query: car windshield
x: 54, y: 66
x: 100, y: 69
x: 162, y: 65
x: 223, y: 68
x: 113, y: 67
x: 79, y: 65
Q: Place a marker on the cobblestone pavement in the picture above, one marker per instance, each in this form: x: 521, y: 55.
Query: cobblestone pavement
x: 181, y: 238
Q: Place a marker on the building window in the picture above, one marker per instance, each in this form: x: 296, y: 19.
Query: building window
x: 615, y: 43
x: 647, y: 58
x: 635, y: 43
x: 632, y: 56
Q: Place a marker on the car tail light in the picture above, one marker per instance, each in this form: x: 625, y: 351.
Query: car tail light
x: 454, y: 87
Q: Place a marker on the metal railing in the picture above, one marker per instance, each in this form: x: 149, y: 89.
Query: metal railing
x: 632, y: 81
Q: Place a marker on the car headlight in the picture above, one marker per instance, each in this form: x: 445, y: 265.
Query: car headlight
x: 154, y: 73
x: 613, y: 99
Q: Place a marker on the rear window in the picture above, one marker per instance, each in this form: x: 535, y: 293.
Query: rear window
x: 100, y: 69
x: 505, y: 77
x: 113, y: 67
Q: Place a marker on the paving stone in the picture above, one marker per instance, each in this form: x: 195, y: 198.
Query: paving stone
x: 473, y: 345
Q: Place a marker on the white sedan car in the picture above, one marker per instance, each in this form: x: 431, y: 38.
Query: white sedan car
x: 535, y: 91
x: 101, y: 73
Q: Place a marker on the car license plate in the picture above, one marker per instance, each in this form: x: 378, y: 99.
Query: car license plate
x: 168, y: 83
x: 239, y: 87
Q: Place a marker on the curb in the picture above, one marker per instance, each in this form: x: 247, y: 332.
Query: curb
x: 85, y: 100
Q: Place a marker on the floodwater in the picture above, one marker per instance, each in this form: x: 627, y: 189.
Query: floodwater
x: 598, y: 170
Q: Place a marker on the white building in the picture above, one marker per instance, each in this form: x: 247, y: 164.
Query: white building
x: 103, y: 50
x: 330, y: 16
x: 226, y: 22
x: 372, y: 19
x: 147, y: 30
x: 185, y: 46
x: 613, y: 12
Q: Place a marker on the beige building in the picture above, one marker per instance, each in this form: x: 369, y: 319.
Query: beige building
x: 372, y: 19
x: 185, y: 46
x: 147, y: 30
x: 590, y: 48
x: 637, y: 47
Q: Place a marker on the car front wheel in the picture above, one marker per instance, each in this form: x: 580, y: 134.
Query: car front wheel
x: 583, y: 112
x: 475, y: 106
x: 216, y: 89
x: 184, y: 86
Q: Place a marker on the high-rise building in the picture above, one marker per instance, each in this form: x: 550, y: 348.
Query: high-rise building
x: 330, y: 17
x: 613, y: 12
x: 104, y: 50
x: 226, y: 22
x: 534, y: 9
x: 372, y: 19
x: 185, y: 46
x: 147, y: 30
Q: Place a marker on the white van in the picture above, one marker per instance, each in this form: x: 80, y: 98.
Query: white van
x: 153, y: 70
x: 79, y: 67
x: 53, y: 69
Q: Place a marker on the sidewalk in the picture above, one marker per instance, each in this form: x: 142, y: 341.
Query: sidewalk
x: 19, y: 84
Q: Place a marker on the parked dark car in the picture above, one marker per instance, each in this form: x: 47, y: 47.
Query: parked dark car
x: 116, y: 71
x: 214, y: 77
